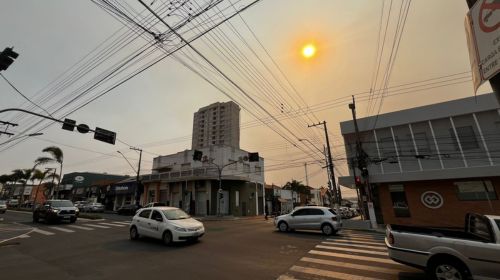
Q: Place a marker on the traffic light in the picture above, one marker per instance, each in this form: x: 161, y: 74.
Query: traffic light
x: 357, y: 181
x: 7, y: 58
x: 69, y: 124
x: 197, y: 155
x: 253, y: 157
x: 105, y: 135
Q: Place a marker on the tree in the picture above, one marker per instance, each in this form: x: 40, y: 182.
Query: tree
x: 22, y: 176
x: 41, y: 177
x: 56, y: 156
x: 298, y: 187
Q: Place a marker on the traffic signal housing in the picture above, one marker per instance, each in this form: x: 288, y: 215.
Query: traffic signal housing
x: 253, y: 157
x: 197, y: 155
x: 357, y: 181
x: 7, y: 58
x: 105, y: 135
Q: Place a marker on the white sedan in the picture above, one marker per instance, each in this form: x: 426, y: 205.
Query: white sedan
x: 169, y: 224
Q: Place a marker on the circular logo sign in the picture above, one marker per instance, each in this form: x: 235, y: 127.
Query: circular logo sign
x: 79, y: 178
x: 432, y: 199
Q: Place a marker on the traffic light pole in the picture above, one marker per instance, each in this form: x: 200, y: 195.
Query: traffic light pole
x: 361, y: 160
x: 138, y: 182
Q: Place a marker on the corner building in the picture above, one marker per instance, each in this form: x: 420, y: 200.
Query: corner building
x: 431, y: 165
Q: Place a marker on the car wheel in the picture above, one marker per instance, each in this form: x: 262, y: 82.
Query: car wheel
x: 283, y: 226
x: 167, y: 238
x: 327, y: 229
x: 134, y: 234
x: 447, y: 269
x: 35, y: 218
x: 72, y: 220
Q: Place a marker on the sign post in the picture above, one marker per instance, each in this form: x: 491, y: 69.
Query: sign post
x: 482, y: 24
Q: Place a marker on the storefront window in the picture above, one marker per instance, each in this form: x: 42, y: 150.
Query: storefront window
x: 475, y: 190
x: 399, y: 202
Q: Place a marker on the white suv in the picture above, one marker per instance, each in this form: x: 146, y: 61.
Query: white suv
x: 169, y: 224
x: 309, y: 217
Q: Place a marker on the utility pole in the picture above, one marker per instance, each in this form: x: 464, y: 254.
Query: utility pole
x: 139, y: 187
x: 307, y: 177
x: 362, y: 164
x: 333, y: 185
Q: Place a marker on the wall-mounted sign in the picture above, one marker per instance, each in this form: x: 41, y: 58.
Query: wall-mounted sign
x: 431, y: 199
x: 79, y: 178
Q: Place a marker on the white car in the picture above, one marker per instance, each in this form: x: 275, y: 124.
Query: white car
x: 309, y: 217
x: 169, y: 224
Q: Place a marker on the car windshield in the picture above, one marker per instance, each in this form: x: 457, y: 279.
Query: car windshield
x: 63, y: 203
x: 175, y: 214
x: 498, y: 223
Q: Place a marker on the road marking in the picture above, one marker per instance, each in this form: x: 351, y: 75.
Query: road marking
x: 80, y: 227
x: 352, y: 257
x: 351, y: 250
x: 96, y: 226
x: 356, y: 246
x: 43, y: 231
x: 362, y: 236
x: 369, y: 268
x: 108, y: 224
x: 122, y: 223
x: 359, y: 239
x: 331, y: 274
x: 62, y: 229
x: 24, y: 236
x: 357, y: 242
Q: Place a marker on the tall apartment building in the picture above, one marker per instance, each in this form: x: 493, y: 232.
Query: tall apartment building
x: 217, y: 124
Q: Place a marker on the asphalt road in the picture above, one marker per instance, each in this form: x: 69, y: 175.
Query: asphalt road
x: 238, y: 249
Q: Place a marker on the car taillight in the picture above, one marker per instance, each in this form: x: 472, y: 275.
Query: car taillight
x: 334, y: 218
x: 390, y: 239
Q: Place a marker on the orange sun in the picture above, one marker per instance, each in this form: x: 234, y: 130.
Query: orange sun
x: 308, y: 51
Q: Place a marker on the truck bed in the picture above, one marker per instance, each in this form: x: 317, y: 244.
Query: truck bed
x: 438, y: 232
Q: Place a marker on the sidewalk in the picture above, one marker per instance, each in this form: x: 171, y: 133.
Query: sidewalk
x: 228, y: 218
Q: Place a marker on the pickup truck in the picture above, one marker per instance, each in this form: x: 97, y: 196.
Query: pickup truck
x: 473, y: 252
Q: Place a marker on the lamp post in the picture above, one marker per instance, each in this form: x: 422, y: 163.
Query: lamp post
x: 219, y: 192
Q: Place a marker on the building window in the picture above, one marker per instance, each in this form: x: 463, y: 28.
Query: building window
x: 475, y: 190
x: 423, y: 144
x: 246, y: 168
x: 236, y: 198
x: 467, y: 138
x: 213, y: 142
x: 258, y: 170
x: 399, y: 202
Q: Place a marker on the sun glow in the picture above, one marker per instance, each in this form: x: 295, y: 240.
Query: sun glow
x: 308, y: 51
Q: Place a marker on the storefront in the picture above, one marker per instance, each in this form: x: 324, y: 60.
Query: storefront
x: 120, y: 194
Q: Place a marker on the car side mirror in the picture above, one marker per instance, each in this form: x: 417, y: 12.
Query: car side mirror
x: 159, y: 219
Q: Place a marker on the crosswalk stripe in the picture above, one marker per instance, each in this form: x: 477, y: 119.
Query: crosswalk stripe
x: 43, y: 232
x: 23, y: 236
x: 109, y: 224
x: 363, y: 233
x: 80, y: 227
x: 331, y: 274
x: 358, y: 239
x: 369, y: 268
x: 351, y: 250
x: 361, y: 236
x: 352, y: 257
x: 355, y: 245
x: 122, y: 223
x: 357, y: 242
x: 287, y: 277
x: 62, y: 229
x: 97, y: 226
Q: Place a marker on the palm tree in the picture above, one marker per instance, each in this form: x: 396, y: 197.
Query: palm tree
x: 56, y: 156
x: 41, y: 177
x: 23, y: 176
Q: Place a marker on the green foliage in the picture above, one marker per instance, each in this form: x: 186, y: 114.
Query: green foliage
x: 297, y: 187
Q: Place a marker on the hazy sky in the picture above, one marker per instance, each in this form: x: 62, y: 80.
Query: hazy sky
x: 155, y: 109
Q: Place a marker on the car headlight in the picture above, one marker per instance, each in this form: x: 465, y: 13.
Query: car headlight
x: 180, y: 229
x: 55, y: 210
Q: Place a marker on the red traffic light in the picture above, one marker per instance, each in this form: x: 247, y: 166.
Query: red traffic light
x: 357, y: 181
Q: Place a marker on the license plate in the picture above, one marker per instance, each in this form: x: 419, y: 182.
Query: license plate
x: 66, y: 216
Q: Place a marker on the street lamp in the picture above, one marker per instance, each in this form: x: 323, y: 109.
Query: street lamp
x: 219, y: 192
x: 138, y: 188
x: 301, y: 140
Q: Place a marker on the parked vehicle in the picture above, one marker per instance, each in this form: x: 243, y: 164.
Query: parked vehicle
x: 56, y: 211
x: 154, y: 204
x: 12, y: 203
x: 80, y: 204
x: 3, y: 206
x: 93, y: 207
x: 169, y: 224
x: 128, y: 209
x: 309, y: 217
x: 449, y: 254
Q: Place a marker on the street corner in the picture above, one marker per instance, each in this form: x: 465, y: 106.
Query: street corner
x: 11, y: 231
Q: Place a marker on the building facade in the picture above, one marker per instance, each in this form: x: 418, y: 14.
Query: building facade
x: 216, y: 124
x: 179, y: 181
x: 431, y: 165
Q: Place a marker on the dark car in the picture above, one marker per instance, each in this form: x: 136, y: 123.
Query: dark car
x: 128, y: 209
x: 56, y: 211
